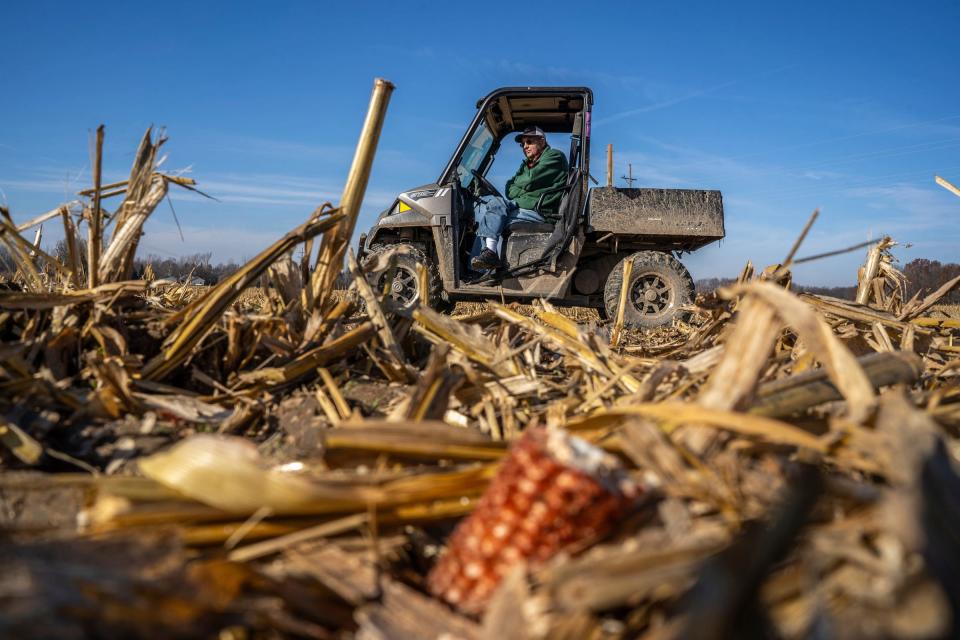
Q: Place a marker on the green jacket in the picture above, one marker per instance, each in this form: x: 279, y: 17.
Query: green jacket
x: 526, y: 186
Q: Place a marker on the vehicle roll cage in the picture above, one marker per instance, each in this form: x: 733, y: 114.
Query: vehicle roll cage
x: 514, y: 108
x: 555, y: 110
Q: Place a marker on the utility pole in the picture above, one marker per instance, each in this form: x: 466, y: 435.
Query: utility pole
x: 629, y: 177
x: 610, y: 165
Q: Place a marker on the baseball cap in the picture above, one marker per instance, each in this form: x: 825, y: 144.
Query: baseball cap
x: 531, y: 131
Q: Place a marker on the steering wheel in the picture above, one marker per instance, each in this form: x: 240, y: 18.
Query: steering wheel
x: 485, y: 184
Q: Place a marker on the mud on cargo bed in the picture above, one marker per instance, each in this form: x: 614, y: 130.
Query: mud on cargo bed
x: 691, y: 214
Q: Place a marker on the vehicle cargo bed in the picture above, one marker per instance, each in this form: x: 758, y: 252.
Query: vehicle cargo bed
x: 691, y: 214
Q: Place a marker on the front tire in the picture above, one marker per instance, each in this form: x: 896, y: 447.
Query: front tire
x: 659, y: 286
x: 405, y: 286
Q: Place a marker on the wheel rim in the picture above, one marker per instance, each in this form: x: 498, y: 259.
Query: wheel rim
x: 651, y: 295
x: 403, y: 288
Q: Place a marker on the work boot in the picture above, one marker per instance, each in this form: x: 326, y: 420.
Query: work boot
x: 486, y: 260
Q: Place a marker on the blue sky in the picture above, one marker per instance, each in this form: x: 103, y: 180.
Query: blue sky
x: 851, y: 107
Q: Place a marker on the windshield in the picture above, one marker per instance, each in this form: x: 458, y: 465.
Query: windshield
x: 474, y: 154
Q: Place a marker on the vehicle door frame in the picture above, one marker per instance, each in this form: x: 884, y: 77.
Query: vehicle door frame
x: 448, y: 178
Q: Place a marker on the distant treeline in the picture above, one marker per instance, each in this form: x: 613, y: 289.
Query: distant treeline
x: 197, y: 268
x: 927, y: 275
x: 193, y: 267
x: 922, y: 275
x: 847, y: 293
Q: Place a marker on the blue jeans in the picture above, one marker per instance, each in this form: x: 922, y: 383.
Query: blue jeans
x: 494, y: 214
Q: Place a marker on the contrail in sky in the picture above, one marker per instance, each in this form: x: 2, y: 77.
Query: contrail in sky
x: 690, y: 96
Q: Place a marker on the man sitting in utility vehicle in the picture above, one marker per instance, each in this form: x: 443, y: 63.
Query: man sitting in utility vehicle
x: 543, y: 169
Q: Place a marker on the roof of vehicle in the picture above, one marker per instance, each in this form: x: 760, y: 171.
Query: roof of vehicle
x: 535, y: 91
x: 550, y: 108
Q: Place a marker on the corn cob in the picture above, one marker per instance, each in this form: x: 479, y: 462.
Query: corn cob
x: 554, y: 492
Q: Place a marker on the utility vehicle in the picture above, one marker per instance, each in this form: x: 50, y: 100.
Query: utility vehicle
x: 576, y: 262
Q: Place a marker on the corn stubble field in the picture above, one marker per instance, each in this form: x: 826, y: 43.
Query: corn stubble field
x: 285, y: 462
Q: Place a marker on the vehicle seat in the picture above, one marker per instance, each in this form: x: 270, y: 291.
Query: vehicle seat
x: 526, y: 242
x: 524, y: 226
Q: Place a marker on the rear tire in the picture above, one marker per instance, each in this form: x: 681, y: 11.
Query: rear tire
x: 659, y: 286
x: 404, y: 289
